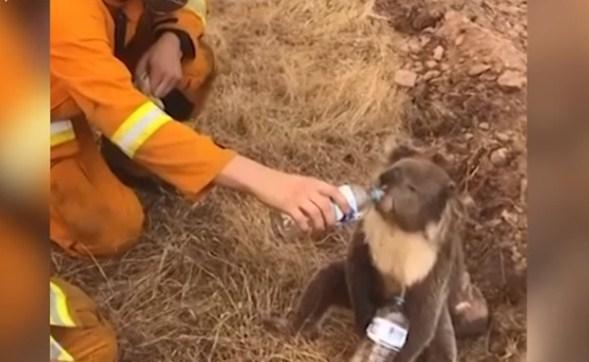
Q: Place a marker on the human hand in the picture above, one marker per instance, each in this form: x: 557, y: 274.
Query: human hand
x: 307, y: 200
x: 162, y: 65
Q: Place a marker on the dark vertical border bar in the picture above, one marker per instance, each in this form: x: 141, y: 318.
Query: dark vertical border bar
x: 24, y: 180
x: 558, y: 322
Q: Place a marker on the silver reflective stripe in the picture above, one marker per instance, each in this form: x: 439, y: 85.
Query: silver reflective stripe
x: 61, y: 132
x: 146, y: 120
x: 131, y: 135
x: 61, y: 126
x: 58, y: 353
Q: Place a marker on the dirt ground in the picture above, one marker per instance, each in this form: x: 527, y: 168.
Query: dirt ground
x: 318, y: 87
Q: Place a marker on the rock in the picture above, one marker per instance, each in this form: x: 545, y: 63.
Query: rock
x: 511, y: 80
x: 499, y: 156
x: 418, y: 67
x: 438, y: 53
x: 478, y: 69
x: 474, y: 41
x: 459, y: 40
x: 445, y: 67
x: 508, y: 216
x: 424, y: 40
x: 502, y: 136
x: 405, y: 78
x: 484, y: 126
x: 431, y: 64
x: 431, y: 75
x: 414, y: 45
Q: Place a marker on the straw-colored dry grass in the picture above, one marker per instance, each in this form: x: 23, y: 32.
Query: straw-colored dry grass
x: 302, y: 86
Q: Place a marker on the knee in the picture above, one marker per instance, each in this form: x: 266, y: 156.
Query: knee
x: 117, y: 228
x: 121, y: 228
x: 108, y: 350
x: 104, y: 349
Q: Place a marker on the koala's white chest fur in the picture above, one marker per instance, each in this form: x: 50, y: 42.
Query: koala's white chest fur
x: 404, y: 257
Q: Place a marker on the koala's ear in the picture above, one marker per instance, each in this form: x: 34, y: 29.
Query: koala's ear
x: 400, y: 152
x: 441, y: 161
x: 450, y: 190
x: 451, y: 187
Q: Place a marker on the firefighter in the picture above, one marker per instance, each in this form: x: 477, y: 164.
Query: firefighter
x: 92, y: 212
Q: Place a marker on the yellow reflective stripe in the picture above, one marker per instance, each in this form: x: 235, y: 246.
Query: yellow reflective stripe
x: 140, y: 125
x: 61, y: 132
x: 57, y: 352
x: 200, y: 8
x: 59, y: 314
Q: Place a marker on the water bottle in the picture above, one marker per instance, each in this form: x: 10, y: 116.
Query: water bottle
x: 387, y: 333
x: 359, y: 200
x: 357, y: 197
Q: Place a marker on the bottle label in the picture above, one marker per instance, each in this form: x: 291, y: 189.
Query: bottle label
x: 386, y: 333
x: 351, y: 199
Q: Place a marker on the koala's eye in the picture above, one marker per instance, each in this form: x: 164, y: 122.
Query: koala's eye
x: 412, y: 188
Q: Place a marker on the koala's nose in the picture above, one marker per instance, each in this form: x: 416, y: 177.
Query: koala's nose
x: 389, y: 177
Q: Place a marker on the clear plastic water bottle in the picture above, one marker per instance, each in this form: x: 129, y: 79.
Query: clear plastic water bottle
x: 388, y: 332
x: 359, y: 200
x: 357, y: 197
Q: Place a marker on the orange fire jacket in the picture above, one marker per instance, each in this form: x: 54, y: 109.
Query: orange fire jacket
x: 88, y: 82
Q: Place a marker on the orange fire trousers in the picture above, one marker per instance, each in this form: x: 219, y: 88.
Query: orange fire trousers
x: 93, y: 213
x: 94, y: 340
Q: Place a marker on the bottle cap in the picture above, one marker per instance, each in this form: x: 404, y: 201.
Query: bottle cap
x: 376, y: 194
x: 399, y: 301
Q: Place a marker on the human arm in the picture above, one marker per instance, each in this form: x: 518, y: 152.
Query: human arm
x: 305, y: 199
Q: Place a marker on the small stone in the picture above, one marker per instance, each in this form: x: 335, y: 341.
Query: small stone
x: 459, y: 40
x: 424, y: 40
x: 418, y: 67
x: 508, y: 216
x: 519, y: 29
x: 502, y: 136
x: 438, y: 53
x: 484, y: 126
x: 513, y: 33
x: 468, y: 136
x: 431, y: 75
x: 445, y: 67
x: 431, y: 64
x: 499, y: 157
x: 414, y: 45
x: 405, y: 78
x: 511, y: 80
x: 493, y: 223
x: 478, y: 69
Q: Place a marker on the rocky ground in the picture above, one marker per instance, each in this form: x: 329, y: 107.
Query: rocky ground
x: 465, y: 71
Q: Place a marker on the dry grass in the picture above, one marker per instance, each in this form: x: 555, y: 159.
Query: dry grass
x: 303, y: 86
